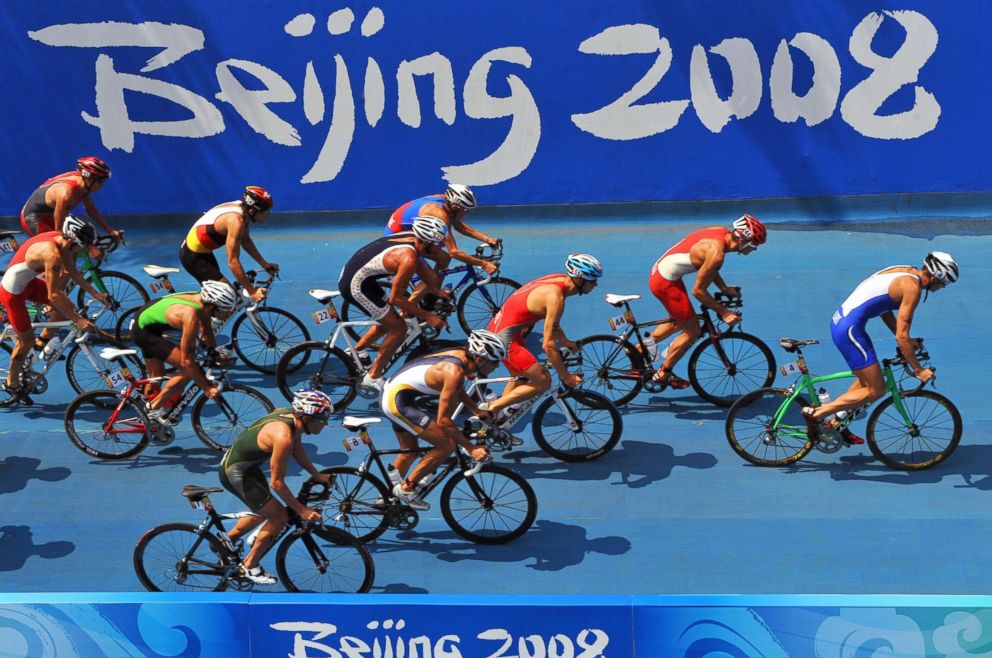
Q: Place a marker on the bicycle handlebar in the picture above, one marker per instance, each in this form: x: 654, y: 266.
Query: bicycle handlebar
x: 494, y: 255
x: 729, y: 302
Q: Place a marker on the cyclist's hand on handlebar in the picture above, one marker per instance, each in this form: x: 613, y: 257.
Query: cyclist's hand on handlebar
x: 211, y: 392
x: 118, y: 236
x: 258, y: 295
x: 323, y: 478
x: 310, y: 515
x: 446, y: 293
x: 495, y: 243
x: 925, y: 375
x: 435, y: 321
x: 490, y: 268
x: 730, y: 317
x: 479, y: 453
x: 85, y: 323
x: 571, y: 379
x: 271, y: 268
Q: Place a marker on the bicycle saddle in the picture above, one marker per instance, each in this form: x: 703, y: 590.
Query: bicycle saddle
x: 323, y: 296
x: 195, y: 493
x: 111, y: 353
x: 354, y: 423
x: 793, y: 344
x: 158, y: 272
x: 7, y: 233
x: 616, y: 300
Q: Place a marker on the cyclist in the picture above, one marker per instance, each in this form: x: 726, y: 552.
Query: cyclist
x: 189, y: 313
x: 39, y: 272
x: 400, y: 255
x: 892, y: 294
x: 439, y: 375
x: 48, y: 206
x: 273, y: 438
x: 702, y: 252
x: 225, y: 224
x: 451, y: 208
x: 541, y: 299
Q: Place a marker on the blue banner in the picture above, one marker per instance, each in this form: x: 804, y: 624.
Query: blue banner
x: 362, y: 105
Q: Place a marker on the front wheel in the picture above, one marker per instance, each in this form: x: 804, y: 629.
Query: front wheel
x: 934, y: 432
x: 316, y: 366
x: 755, y: 435
x: 579, y: 426
x: 261, y: 340
x: 125, y: 293
x: 102, y: 425
x: 218, y: 422
x: 611, y: 367
x: 726, y: 368
x: 175, y: 557
x: 494, y: 506
x: 479, y: 303
x: 357, y: 503
x: 324, y: 560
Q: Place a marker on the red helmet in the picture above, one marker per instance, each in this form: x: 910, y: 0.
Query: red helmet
x: 91, y: 165
x: 751, y: 229
x: 257, y: 198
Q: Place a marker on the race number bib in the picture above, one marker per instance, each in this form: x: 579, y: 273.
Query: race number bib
x: 790, y: 368
x: 621, y: 320
x: 353, y: 442
x: 116, y: 379
x: 325, y: 315
x: 156, y: 286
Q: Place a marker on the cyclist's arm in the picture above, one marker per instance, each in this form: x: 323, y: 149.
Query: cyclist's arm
x: 303, y: 459
x: 462, y: 227
x: 280, y: 437
x: 253, y: 251
x: 61, y: 196
x: 707, y: 274
x: 69, y: 265
x: 207, y: 332
x: 408, y: 263
x: 458, y: 254
x: 234, y: 231
x: 55, y: 281
x: 555, y: 306
x: 907, y: 307
x: 92, y: 211
x: 187, y: 347
x: 722, y: 285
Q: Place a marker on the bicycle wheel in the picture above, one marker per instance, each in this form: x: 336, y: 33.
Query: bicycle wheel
x: 323, y: 368
x: 721, y: 371
x: 175, y: 557
x: 324, y: 560
x: 612, y: 367
x: 89, y: 375
x: 125, y: 293
x: 597, y: 429
x: 261, y: 342
x: 479, y: 303
x: 934, y: 435
x: 751, y: 433
x: 357, y: 503
x: 122, y: 330
x: 219, y: 421
x: 101, y: 425
x: 494, y: 506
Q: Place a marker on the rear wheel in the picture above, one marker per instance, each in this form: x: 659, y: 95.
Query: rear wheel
x: 315, y: 365
x: 175, y: 557
x: 86, y: 375
x: 494, y: 506
x: 357, y: 503
x: 125, y: 293
x: 219, y: 421
x: 754, y: 435
x: 934, y: 434
x: 611, y: 367
x: 324, y: 560
x: 725, y: 369
x: 479, y: 303
x: 102, y: 425
x: 261, y: 342
x: 590, y: 429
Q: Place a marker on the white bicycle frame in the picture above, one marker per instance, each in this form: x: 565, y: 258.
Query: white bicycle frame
x: 413, y: 332
x: 521, y: 407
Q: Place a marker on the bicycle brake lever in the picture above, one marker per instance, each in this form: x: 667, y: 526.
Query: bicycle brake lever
x: 477, y: 466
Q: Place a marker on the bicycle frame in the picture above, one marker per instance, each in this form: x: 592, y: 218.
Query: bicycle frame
x: 414, y: 330
x: 524, y: 406
x: 74, y: 336
x: 189, y: 393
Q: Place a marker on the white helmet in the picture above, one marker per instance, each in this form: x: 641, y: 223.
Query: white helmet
x: 487, y: 345
x: 430, y: 229
x: 583, y: 266
x: 460, y: 196
x: 218, y: 293
x: 941, y: 266
x: 312, y: 403
x: 78, y: 231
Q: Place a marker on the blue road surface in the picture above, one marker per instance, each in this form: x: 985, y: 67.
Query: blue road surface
x: 672, y: 509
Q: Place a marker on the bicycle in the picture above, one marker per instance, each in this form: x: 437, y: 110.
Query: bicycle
x: 482, y: 299
x: 114, y: 424
x: 181, y: 557
x: 84, y: 368
x: 260, y: 335
x: 912, y: 429
x: 481, y: 502
x: 725, y: 365
x: 123, y: 290
x: 323, y: 366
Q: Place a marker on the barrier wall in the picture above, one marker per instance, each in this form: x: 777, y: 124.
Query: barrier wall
x: 357, y: 105
x: 304, y: 626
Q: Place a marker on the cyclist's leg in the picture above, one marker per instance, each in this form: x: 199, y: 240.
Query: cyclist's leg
x: 250, y: 486
x: 395, y: 328
x: 430, y: 276
x: 175, y: 383
x: 201, y: 266
x: 675, y: 298
x: 856, y: 347
x: 410, y: 424
x: 369, y: 296
x: 521, y: 363
x: 17, y: 314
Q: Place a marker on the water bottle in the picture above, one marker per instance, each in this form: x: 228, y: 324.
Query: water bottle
x: 825, y: 398
x: 651, y: 347
x: 394, y: 475
x: 51, y: 347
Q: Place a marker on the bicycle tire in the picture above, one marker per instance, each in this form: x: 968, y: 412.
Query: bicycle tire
x: 578, y: 445
x: 97, y: 379
x: 349, y: 568
x: 123, y: 289
x: 154, y: 572
x: 749, y: 369
x: 747, y: 428
x: 613, y: 373
x: 499, y: 504
x: 221, y: 426
x: 262, y: 353
x: 922, y: 404
x: 327, y: 369
x: 93, y: 409
x: 475, y: 312
x: 357, y: 503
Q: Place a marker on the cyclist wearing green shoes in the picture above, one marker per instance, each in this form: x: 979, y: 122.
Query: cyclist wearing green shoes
x: 892, y: 294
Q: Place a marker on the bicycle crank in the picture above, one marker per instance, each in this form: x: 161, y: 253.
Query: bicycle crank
x: 402, y: 517
x: 34, y: 381
x: 160, y: 435
x: 829, y: 441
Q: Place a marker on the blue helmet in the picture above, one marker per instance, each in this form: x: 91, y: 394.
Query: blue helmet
x: 583, y: 266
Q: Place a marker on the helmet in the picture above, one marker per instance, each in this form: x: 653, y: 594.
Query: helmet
x: 257, y: 198
x: 312, y: 403
x: 93, y: 166
x: 487, y: 345
x: 218, y: 293
x: 583, y: 266
x: 751, y: 229
x: 430, y: 229
x: 941, y: 266
x: 78, y: 231
x: 460, y: 196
